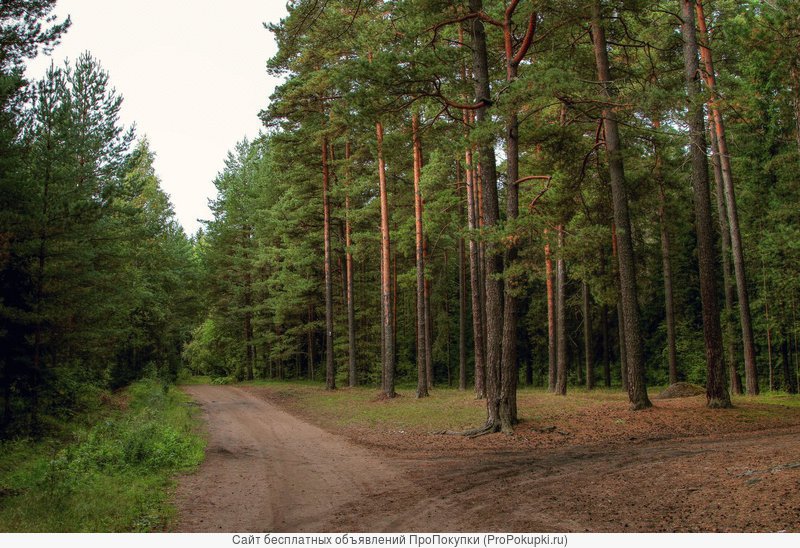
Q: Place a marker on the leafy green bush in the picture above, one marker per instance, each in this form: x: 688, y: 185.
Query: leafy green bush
x: 111, y: 476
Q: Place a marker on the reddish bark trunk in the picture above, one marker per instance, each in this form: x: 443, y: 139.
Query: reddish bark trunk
x: 748, y: 343
x: 728, y: 289
x: 716, y: 388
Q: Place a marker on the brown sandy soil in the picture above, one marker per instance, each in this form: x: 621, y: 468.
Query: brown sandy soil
x: 673, y: 468
x: 266, y: 470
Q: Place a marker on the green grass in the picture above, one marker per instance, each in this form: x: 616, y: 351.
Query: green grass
x: 447, y: 409
x: 113, y: 476
x: 450, y: 409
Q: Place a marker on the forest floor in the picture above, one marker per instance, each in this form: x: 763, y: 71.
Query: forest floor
x: 292, y: 457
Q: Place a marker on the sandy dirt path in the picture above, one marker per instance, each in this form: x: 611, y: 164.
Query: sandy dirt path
x: 266, y: 470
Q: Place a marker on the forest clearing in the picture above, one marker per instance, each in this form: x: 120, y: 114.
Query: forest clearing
x: 292, y: 457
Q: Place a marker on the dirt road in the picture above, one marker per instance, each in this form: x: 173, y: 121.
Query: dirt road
x: 267, y: 470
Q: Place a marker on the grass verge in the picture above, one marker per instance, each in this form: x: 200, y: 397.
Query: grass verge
x: 581, y: 417
x: 114, y: 475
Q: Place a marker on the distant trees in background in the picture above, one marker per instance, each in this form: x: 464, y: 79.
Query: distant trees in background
x: 601, y: 106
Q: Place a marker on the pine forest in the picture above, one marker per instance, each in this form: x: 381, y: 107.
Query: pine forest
x: 477, y: 199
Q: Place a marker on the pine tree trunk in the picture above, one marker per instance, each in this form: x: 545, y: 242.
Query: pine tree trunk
x: 623, y: 352
x: 351, y: 313
x: 669, y: 300
x: 561, y: 317
x: 330, y: 371
x: 750, y: 369
x: 604, y: 327
x: 248, y: 313
x: 552, y: 338
x: 587, y: 338
x: 310, y: 344
x: 462, y: 296
x: 426, y: 296
x: 725, y: 239
x: 422, y: 332
x: 395, y: 308
x: 769, y: 331
x: 481, y: 252
x: 606, y: 347
x: 789, y: 381
x: 475, y: 277
x: 496, y: 420
x: 637, y: 387
x: 386, y: 274
x: 510, y: 371
x: 716, y: 387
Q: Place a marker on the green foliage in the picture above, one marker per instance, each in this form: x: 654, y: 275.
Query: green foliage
x: 112, y: 475
x: 97, y: 278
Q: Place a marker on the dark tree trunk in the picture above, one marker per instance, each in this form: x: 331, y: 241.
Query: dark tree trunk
x: 462, y: 297
x: 606, y: 347
x: 250, y: 354
x: 789, y: 380
x: 748, y: 344
x: 604, y: 328
x: 561, y: 317
x: 769, y: 332
x: 496, y: 419
x: 587, y: 338
x: 716, y: 387
x: 552, y: 338
x: 310, y: 345
x: 725, y: 239
x: 330, y: 371
x: 623, y: 354
x: 669, y: 300
x: 422, y: 332
x: 510, y: 366
x: 426, y: 296
x: 475, y: 277
x: 351, y: 313
x: 394, y: 305
x: 510, y: 371
x: 386, y: 274
x: 637, y: 387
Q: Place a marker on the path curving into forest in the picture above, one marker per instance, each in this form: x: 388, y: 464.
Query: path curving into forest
x: 267, y: 470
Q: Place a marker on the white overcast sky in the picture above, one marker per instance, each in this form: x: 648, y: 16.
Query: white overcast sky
x: 193, y: 75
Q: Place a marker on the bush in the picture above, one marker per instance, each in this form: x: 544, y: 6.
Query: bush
x: 113, y: 476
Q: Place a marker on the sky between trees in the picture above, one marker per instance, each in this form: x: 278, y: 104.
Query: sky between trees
x: 193, y: 75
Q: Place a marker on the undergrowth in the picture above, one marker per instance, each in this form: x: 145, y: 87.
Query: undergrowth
x: 113, y: 475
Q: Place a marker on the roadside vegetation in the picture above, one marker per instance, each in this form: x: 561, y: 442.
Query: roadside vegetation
x: 110, y: 470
